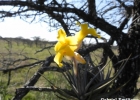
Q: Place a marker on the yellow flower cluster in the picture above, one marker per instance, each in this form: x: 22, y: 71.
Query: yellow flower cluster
x: 68, y: 45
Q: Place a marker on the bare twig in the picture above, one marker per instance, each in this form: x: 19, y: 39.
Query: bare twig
x: 22, y: 66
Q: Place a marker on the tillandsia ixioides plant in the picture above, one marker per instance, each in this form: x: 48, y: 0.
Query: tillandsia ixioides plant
x: 84, y: 82
x: 69, y: 45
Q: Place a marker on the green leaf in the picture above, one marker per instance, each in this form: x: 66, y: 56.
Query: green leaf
x: 108, y: 94
x: 102, y: 85
x: 64, y: 94
x: 70, y: 80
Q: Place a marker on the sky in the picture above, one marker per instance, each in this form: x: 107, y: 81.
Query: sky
x: 15, y: 27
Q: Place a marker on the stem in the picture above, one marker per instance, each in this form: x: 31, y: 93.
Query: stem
x: 75, y: 67
x: 77, y: 76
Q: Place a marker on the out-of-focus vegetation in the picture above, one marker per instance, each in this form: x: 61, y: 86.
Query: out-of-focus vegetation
x: 16, y: 50
x: 30, y: 53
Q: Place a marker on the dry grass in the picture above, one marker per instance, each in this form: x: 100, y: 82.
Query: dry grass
x: 21, y: 76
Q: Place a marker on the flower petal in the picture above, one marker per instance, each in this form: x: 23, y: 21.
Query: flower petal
x: 75, y: 47
x: 93, y: 32
x: 82, y: 33
x: 58, y: 59
x: 84, y: 26
x: 61, y: 35
x: 72, y: 40
x: 59, y: 46
x: 80, y: 36
x: 68, y: 51
x: 79, y: 58
x: 73, y: 43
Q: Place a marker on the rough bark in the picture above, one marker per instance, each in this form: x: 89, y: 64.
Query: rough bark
x: 129, y: 45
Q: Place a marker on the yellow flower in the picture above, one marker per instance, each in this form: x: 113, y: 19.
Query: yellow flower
x: 67, y: 46
x: 85, y: 31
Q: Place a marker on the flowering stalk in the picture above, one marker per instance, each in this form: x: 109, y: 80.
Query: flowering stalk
x: 68, y: 45
x: 77, y: 77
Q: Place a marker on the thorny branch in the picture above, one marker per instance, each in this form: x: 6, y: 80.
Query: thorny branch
x: 21, y: 93
x: 22, y: 66
x: 106, y: 47
x: 41, y: 89
x: 49, y: 9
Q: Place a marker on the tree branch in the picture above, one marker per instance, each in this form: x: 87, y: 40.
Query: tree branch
x: 101, y: 45
x: 92, y: 8
x: 21, y: 93
x: 22, y: 66
x: 128, y: 9
x: 59, y: 18
x: 98, y: 22
x: 41, y: 89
